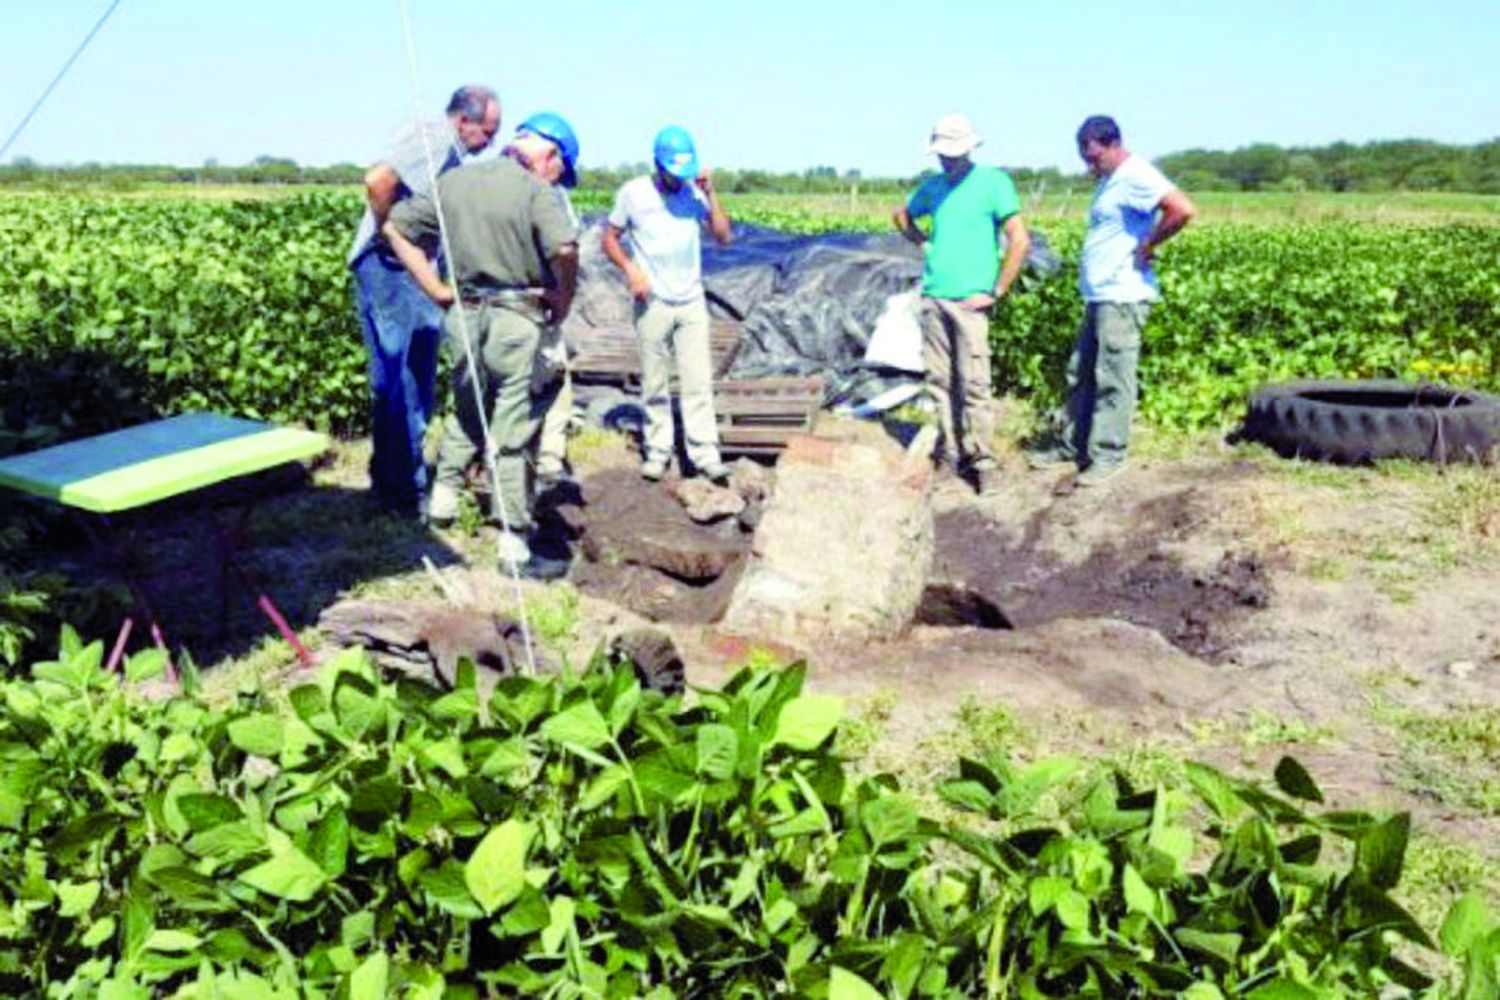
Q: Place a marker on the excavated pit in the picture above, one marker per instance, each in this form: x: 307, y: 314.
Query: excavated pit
x: 636, y: 548
x: 1137, y: 580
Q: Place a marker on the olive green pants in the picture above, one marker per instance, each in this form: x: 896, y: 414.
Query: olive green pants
x: 1102, y: 383
x: 504, y: 342
x: 956, y: 354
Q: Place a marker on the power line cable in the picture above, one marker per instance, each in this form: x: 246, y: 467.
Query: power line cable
x: 58, y: 78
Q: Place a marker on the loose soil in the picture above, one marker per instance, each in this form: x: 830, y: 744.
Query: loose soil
x: 636, y: 547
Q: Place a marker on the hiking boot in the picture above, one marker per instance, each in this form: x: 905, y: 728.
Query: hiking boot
x: 716, y: 473
x: 985, y: 480
x: 1050, y: 458
x: 539, y: 567
x: 983, y: 477
x: 442, y: 505
x: 652, y: 469
x: 1099, y: 473
x: 513, y: 550
x: 550, y: 479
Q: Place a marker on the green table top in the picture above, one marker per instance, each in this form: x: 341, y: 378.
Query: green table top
x: 155, y: 461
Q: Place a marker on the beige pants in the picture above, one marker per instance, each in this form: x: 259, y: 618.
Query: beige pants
x: 552, y: 444
x: 671, y: 332
x: 956, y: 353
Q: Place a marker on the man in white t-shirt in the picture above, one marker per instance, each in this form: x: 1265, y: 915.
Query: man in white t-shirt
x: 659, y: 216
x: 1135, y: 209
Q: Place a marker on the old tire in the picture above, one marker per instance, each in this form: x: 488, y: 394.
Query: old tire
x: 1360, y: 422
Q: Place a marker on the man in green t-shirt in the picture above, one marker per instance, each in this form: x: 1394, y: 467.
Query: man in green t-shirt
x: 962, y: 278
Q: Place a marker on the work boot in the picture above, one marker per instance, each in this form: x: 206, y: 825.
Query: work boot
x: 513, y: 550
x: 1050, y: 458
x: 982, y: 476
x: 716, y: 473
x: 442, y: 505
x: 1099, y: 473
x: 653, y: 468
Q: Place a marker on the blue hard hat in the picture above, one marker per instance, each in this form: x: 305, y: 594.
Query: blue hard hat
x: 675, y: 153
x: 556, y: 130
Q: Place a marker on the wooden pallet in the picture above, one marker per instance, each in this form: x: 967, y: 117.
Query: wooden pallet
x: 610, y: 355
x: 757, y: 415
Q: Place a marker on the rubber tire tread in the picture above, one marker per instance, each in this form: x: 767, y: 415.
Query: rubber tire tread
x: 1287, y: 420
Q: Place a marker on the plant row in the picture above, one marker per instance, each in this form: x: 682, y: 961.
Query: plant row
x: 367, y: 837
x: 114, y: 307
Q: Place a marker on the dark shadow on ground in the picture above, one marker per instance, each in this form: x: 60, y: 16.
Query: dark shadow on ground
x: 304, y: 546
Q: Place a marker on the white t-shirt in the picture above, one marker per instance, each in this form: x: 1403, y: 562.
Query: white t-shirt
x: 663, y: 234
x: 1119, y: 218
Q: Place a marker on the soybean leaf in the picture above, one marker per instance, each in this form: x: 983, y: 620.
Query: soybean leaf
x: 579, y: 726
x: 1293, y: 779
x: 496, y: 872
x: 1139, y: 897
x: 1467, y: 921
x: 1381, y: 850
x: 329, y: 844
x: 287, y: 875
x: 204, y: 811
x: 260, y: 734
x: 368, y: 982
x: 172, y: 941
x: 75, y: 900
x: 1282, y: 989
x: 718, y: 749
x: 807, y: 720
x: 845, y: 985
x: 1223, y: 946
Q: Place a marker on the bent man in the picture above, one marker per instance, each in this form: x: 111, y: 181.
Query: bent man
x: 400, y: 324
x: 515, y: 264
x: 1135, y: 209
x: 660, y: 216
x: 963, y: 277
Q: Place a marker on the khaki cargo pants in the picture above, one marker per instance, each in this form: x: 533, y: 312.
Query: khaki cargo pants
x: 956, y: 354
x: 505, y: 342
x: 671, y: 332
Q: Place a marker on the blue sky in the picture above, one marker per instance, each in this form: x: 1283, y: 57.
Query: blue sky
x: 773, y: 84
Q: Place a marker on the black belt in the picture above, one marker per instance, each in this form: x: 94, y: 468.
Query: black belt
x: 504, y: 297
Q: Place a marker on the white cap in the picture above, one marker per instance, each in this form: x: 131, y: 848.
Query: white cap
x: 953, y: 136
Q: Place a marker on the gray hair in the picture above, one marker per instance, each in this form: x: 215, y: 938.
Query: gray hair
x: 471, y: 101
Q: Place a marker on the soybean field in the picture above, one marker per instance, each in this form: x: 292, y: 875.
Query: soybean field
x: 116, y: 306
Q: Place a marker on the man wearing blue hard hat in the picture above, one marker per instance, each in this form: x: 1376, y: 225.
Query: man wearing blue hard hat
x: 514, y: 246
x: 660, y: 217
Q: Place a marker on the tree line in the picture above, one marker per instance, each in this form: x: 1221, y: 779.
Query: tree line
x: 1390, y: 165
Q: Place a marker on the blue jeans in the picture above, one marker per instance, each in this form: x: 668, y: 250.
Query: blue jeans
x: 402, y: 330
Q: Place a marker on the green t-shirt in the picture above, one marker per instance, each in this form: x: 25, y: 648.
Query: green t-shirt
x: 963, y: 255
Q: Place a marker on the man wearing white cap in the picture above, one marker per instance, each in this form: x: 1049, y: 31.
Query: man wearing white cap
x: 962, y: 278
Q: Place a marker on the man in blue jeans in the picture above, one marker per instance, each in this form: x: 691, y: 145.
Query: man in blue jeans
x: 402, y: 327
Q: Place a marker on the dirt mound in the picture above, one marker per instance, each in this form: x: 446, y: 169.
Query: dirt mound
x: 1134, y: 579
x: 641, y: 551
